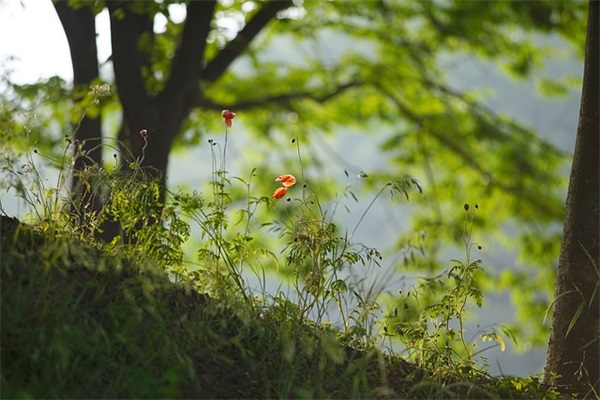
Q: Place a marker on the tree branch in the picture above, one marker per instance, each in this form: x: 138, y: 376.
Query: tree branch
x: 482, y: 109
x: 278, y: 99
x: 189, y: 57
x: 470, y: 161
x: 218, y: 65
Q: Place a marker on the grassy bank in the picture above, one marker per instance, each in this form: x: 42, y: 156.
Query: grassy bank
x: 80, y: 323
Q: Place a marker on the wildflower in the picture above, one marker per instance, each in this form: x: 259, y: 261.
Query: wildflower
x: 279, y: 193
x: 228, y: 116
x: 286, y: 180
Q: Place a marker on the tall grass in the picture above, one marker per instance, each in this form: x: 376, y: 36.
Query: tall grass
x: 83, y: 318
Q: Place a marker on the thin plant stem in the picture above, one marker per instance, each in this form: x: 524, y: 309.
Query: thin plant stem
x: 364, y: 214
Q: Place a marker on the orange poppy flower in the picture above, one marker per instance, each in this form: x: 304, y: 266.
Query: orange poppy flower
x: 286, y: 180
x: 279, y: 193
x: 228, y: 116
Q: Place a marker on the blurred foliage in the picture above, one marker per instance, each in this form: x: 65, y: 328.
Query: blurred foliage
x: 376, y: 66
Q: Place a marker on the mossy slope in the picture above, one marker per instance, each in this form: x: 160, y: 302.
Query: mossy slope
x: 79, y: 323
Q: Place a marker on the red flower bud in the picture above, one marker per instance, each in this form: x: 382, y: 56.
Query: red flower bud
x: 279, y: 193
x: 228, y: 116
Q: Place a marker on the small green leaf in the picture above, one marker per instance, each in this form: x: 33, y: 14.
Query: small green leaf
x: 575, y: 317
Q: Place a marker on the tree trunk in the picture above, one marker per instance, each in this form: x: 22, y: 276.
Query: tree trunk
x: 80, y: 28
x: 160, y: 114
x: 573, y: 360
x: 163, y: 115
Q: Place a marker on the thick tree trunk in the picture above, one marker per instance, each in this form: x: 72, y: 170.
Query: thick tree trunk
x: 80, y: 28
x: 573, y: 360
x: 139, y: 107
x: 161, y: 115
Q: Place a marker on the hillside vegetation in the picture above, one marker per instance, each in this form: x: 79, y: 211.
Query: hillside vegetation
x: 80, y: 323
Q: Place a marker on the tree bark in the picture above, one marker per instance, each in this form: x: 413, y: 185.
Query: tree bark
x: 573, y: 359
x: 80, y: 28
x: 139, y: 108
